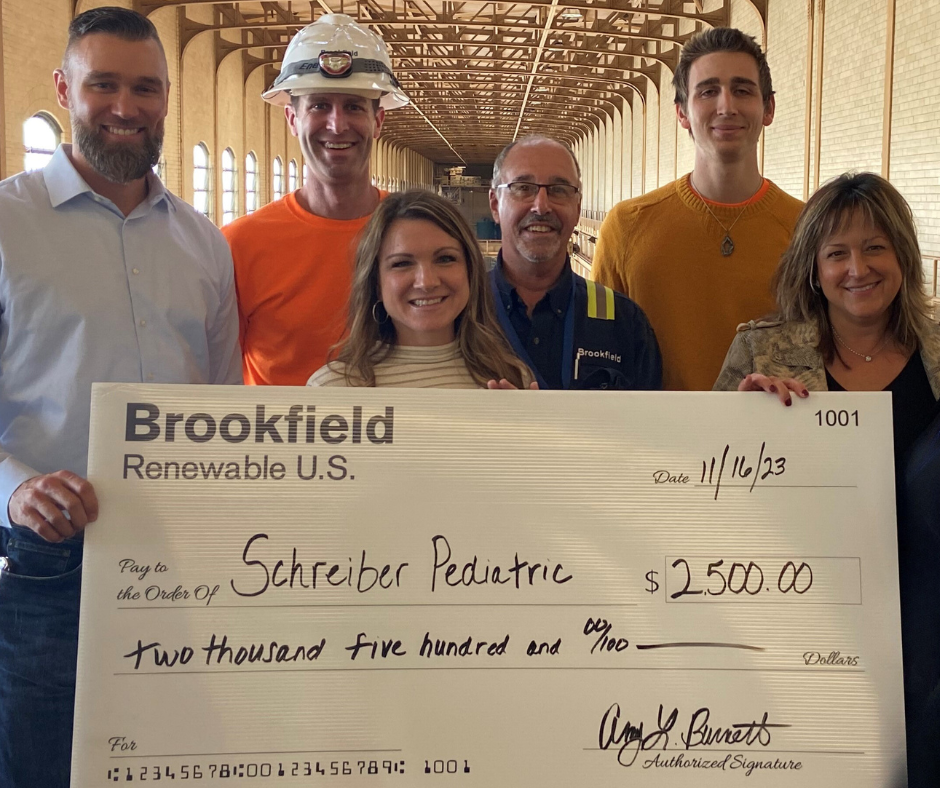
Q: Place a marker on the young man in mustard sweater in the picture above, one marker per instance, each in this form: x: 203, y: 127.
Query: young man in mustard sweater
x: 698, y: 254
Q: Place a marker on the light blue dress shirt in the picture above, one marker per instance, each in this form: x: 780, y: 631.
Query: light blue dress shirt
x: 87, y: 295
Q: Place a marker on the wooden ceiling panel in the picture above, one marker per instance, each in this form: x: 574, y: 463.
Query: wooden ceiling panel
x: 481, y: 74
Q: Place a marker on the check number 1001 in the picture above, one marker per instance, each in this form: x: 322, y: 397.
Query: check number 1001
x: 446, y: 767
x: 836, y: 418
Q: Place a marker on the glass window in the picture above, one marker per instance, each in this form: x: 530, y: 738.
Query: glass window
x: 159, y: 169
x: 251, y: 183
x: 278, y: 182
x: 292, y: 175
x: 229, y: 186
x: 41, y: 136
x: 201, y: 178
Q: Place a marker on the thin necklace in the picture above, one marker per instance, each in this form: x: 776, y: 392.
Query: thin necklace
x: 866, y: 356
x: 727, y: 245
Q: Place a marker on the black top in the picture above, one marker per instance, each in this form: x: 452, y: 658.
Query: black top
x: 912, y: 405
x: 542, y: 335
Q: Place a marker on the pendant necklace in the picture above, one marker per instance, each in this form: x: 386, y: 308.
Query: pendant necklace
x: 727, y: 245
x: 866, y: 356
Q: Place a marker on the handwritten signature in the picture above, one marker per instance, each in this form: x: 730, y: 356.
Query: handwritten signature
x: 631, y: 739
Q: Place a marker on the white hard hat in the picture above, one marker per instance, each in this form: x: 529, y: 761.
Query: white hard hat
x: 336, y: 54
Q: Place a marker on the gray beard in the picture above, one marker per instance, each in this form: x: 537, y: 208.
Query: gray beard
x: 118, y: 162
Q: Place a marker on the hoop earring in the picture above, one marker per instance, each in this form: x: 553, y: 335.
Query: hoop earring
x: 813, y: 283
x: 375, y: 317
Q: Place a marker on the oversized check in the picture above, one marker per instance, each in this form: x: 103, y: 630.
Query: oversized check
x: 489, y: 589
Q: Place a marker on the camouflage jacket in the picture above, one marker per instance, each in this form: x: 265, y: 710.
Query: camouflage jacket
x: 788, y: 350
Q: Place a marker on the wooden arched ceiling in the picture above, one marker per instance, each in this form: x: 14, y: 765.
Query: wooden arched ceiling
x: 481, y: 73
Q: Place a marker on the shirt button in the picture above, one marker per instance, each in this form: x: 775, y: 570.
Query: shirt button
x: 535, y: 341
x: 136, y: 270
x: 143, y: 323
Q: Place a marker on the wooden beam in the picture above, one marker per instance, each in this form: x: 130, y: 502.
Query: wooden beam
x: 888, y: 113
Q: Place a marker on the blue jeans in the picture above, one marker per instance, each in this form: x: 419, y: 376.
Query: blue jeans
x: 40, y: 589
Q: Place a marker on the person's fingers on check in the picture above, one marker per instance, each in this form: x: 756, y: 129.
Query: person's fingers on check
x: 502, y: 383
x: 86, y: 496
x: 54, y: 505
x: 774, y: 385
x: 796, y: 387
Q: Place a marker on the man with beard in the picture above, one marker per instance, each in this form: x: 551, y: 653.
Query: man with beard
x: 293, y: 257
x: 104, y: 276
x: 573, y: 334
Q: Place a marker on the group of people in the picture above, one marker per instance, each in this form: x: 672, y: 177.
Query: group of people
x: 107, y: 276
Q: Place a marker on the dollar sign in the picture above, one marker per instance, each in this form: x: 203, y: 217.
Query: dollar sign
x: 651, y: 579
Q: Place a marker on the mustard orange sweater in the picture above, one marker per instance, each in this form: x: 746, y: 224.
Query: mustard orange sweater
x: 664, y: 251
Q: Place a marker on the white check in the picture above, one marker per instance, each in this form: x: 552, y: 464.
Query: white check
x: 417, y: 588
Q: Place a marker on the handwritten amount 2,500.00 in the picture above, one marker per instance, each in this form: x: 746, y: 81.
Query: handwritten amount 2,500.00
x: 740, y: 578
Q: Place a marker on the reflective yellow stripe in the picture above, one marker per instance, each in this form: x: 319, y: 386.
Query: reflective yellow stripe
x: 600, y: 308
x: 592, y: 299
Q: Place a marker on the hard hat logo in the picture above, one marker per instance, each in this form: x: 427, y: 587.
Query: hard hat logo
x: 335, y: 64
x: 336, y: 47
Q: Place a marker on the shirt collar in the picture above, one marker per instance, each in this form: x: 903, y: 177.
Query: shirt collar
x: 64, y: 183
x: 558, y: 296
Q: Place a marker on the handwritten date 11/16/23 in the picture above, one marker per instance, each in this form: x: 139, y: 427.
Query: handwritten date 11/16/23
x: 728, y: 467
x: 715, y: 468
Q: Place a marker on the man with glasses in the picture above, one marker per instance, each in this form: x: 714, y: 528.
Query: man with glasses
x: 571, y: 332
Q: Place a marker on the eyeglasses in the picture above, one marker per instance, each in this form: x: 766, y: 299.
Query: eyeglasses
x: 524, y: 191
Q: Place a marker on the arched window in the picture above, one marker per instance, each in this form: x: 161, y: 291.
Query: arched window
x: 41, y: 136
x: 251, y: 183
x: 303, y: 174
x: 229, y: 186
x: 201, y: 178
x: 292, y: 175
x: 278, y: 171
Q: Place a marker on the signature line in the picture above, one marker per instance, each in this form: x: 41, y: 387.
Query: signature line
x: 760, y: 751
x: 699, y: 645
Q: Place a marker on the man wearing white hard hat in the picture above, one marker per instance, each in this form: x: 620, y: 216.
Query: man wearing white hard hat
x: 293, y: 257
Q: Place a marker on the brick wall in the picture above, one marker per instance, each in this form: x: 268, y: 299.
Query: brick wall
x: 27, y: 70
x: 165, y: 22
x: 784, y: 139
x: 853, y: 87
x: 915, y: 127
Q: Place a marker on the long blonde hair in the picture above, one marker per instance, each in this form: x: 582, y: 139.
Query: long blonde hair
x: 829, y: 210
x: 482, y: 344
